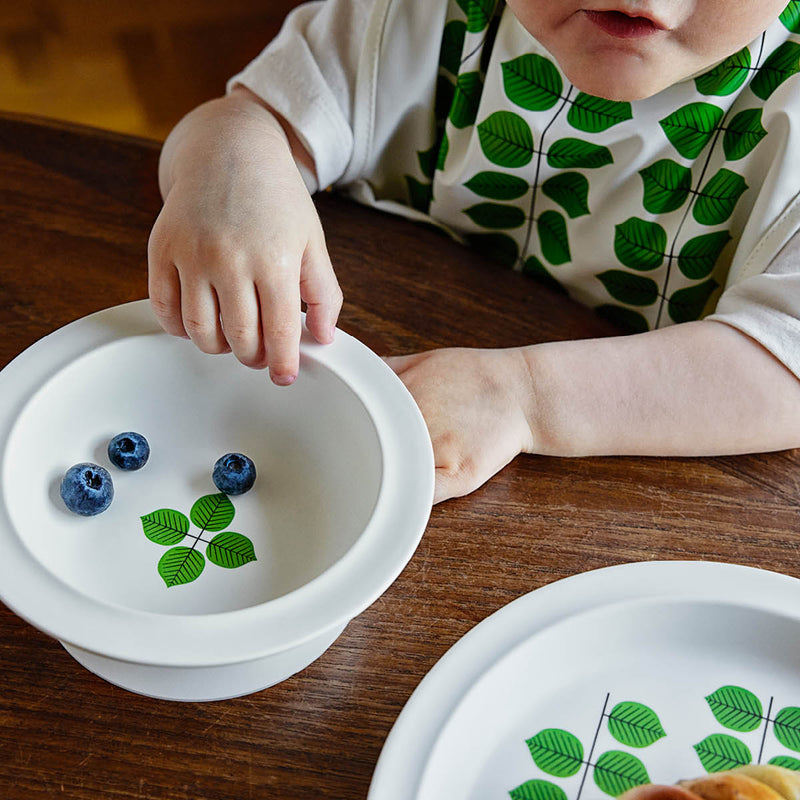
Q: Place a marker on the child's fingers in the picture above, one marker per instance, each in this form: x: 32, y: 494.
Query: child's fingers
x: 321, y: 292
x: 241, y: 325
x: 280, y: 323
x: 200, y: 314
x: 164, y: 289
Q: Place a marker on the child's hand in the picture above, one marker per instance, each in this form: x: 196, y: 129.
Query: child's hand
x: 475, y: 405
x: 238, y: 243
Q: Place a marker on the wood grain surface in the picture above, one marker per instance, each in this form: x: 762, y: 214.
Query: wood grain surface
x: 76, y: 207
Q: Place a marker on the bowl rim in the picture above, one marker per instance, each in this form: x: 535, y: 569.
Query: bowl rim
x: 330, y: 600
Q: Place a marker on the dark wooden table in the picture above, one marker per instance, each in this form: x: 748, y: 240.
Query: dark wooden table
x: 76, y: 207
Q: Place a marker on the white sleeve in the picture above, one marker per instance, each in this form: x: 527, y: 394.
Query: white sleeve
x: 766, y: 306
x: 308, y: 75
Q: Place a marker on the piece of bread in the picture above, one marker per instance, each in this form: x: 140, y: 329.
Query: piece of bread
x: 750, y: 782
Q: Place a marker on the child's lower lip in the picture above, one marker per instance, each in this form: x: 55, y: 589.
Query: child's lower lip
x: 621, y: 26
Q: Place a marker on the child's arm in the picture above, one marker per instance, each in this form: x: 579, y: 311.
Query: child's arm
x: 238, y: 242
x: 699, y: 388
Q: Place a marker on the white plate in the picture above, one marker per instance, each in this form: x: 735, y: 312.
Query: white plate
x: 568, y: 666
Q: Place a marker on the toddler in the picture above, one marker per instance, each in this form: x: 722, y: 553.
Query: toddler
x: 643, y: 155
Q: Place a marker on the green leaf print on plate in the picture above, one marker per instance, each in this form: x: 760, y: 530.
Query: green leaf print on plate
x: 570, y: 190
x: 718, y: 198
x: 230, y: 550
x: 532, y: 82
x: 743, y: 133
x: 699, y: 255
x: 691, y: 127
x: 636, y: 290
x: 687, y: 305
x: 497, y: 185
x: 787, y: 727
x: 495, y: 215
x: 180, y: 565
x: 466, y: 99
x: 786, y: 761
x: 556, y: 752
x: 552, y: 228
x: 616, y: 771
x: 736, y: 708
x: 667, y: 184
x: 479, y: 13
x: 576, y: 153
x: 790, y: 16
x: 778, y: 67
x: 727, y: 76
x: 595, y: 114
x: 635, y: 724
x: 212, y: 512
x: 719, y: 752
x: 165, y: 526
x: 640, y: 244
x: 452, y: 46
x: 506, y: 139
x: 538, y: 790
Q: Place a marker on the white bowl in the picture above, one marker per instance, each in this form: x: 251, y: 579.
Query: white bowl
x: 342, y: 497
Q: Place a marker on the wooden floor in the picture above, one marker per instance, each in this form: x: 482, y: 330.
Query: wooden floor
x: 127, y: 65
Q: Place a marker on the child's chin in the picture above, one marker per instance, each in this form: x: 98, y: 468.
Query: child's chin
x: 616, y: 84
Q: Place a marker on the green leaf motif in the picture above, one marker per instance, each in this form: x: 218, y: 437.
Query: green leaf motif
x: 534, y: 267
x: 779, y: 66
x: 479, y: 13
x: 717, y: 199
x: 726, y: 77
x: 640, y: 244
x: 230, y: 550
x: 787, y: 727
x: 452, y: 45
x: 691, y: 127
x: 498, y: 247
x: 570, y: 190
x: 666, y: 186
x: 165, y: 526
x: 427, y: 160
x: 571, y: 153
x: 720, y: 751
x: 552, y: 228
x: 506, y: 139
x: 212, y: 512
x: 495, y: 215
x: 616, y: 771
x: 635, y: 724
x: 532, y: 82
x: 734, y: 707
x: 595, y: 114
x: 556, y: 752
x: 180, y: 565
x: 538, y: 790
x: 743, y: 133
x: 790, y: 17
x: 787, y: 762
x: 419, y: 193
x: 626, y: 287
x: 466, y: 99
x: 625, y: 318
x: 497, y: 185
x: 698, y: 256
x: 687, y: 305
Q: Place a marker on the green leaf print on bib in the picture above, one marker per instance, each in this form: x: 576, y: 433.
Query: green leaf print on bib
x: 497, y: 185
x: 743, y: 133
x: 687, y: 305
x: 779, y: 66
x: 479, y: 13
x: 790, y: 16
x: 575, y: 153
x: 640, y: 244
x: 718, y: 197
x: 667, y: 184
x: 452, y: 46
x: 595, y: 114
x: 691, y: 127
x: 726, y: 77
x: 699, y: 255
x: 496, y: 215
x: 466, y: 99
x: 552, y: 230
x: 532, y: 82
x: 570, y: 190
x: 506, y: 139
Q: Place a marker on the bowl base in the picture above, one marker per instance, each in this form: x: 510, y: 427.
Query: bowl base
x: 204, y: 684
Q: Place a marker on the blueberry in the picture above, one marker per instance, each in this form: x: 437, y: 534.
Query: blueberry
x: 87, y: 489
x: 128, y: 451
x: 234, y: 473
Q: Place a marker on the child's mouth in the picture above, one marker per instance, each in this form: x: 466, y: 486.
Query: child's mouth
x: 623, y: 26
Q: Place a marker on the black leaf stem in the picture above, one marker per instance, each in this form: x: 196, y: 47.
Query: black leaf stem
x: 594, y: 744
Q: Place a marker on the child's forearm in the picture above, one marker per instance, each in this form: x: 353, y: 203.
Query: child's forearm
x: 701, y: 388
